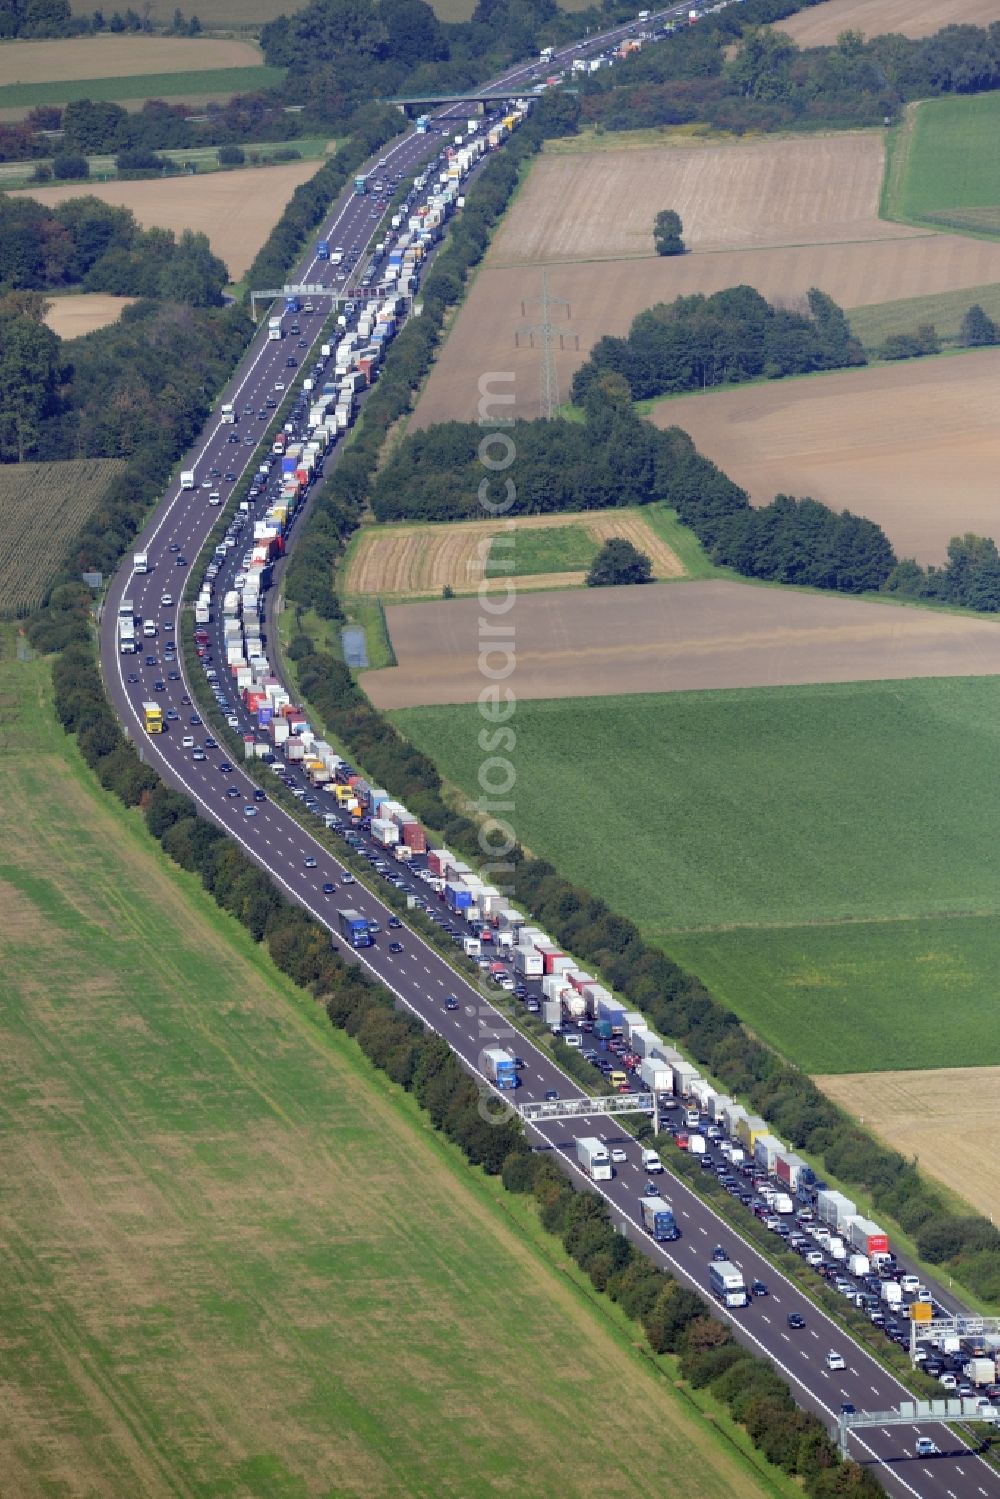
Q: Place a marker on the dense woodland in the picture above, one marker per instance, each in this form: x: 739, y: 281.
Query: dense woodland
x: 734, y: 335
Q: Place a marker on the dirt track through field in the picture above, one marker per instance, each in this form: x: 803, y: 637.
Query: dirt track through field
x: 237, y: 210
x: 821, y: 26
x: 610, y: 641
x: 914, y: 446
x: 915, y: 1113
x: 416, y: 561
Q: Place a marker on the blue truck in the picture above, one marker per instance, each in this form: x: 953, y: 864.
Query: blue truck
x: 354, y: 928
x: 658, y: 1219
x: 500, y: 1067
x: 361, y: 185
x: 292, y: 304
x: 323, y: 249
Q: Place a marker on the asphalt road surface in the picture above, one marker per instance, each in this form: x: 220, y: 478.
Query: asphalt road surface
x: 419, y: 976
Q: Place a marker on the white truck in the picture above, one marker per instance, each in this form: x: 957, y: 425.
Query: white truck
x: 274, y: 330
x: 782, y: 1203
x: 859, y: 1264
x: 892, y: 1293
x: 227, y: 413
x: 126, y: 635
x: 980, y: 1371
x: 187, y: 478
x: 593, y: 1156
x: 140, y: 562
x: 726, y: 1281
x: 651, y: 1162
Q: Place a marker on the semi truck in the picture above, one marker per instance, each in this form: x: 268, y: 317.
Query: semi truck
x: 140, y: 562
x: 153, y: 717
x: 658, y: 1219
x: 593, y: 1156
x: 227, y: 413
x: 126, y: 635
x: 361, y: 185
x: 292, y: 303
x: 323, y: 249
x: 500, y: 1067
x: 726, y: 1281
x: 354, y: 928
x: 274, y: 330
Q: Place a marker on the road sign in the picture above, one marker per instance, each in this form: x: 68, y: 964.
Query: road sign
x: 921, y: 1311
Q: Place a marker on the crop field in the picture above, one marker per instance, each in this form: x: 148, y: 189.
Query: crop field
x: 820, y: 26
x: 73, y: 316
x: 92, y: 57
x: 218, y: 82
x: 947, y: 174
x: 822, y: 856
x: 873, y: 324
x: 42, y: 507
x: 921, y: 1121
x: 237, y: 210
x: 400, y: 562
x: 779, y: 215
x: 697, y: 637
x: 235, y: 1260
x: 914, y: 445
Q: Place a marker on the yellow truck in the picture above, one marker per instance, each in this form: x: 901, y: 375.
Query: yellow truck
x: 153, y: 715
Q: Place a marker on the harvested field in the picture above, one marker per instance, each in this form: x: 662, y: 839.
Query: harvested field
x: 609, y: 641
x: 119, y: 57
x: 71, y: 317
x: 400, y: 562
x: 237, y: 210
x: 42, y: 507
x: 914, y: 446
x: 920, y: 1121
x: 731, y: 195
x: 821, y: 25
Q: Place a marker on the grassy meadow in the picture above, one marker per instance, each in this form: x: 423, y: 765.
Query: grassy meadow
x: 949, y: 174
x: 824, y: 850
x: 555, y: 549
x: 214, y: 81
x: 235, y: 1260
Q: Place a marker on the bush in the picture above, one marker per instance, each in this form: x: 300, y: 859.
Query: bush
x: 231, y: 156
x: 619, y: 561
x: 69, y: 166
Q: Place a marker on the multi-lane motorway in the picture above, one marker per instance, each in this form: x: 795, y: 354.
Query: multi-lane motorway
x: 419, y: 976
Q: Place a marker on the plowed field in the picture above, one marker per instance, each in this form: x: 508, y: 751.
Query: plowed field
x: 237, y: 210
x: 821, y: 25
x: 71, y: 317
x: 609, y: 641
x: 415, y: 561
x: 781, y: 215
x: 914, y: 446
x: 119, y: 57
x: 920, y: 1120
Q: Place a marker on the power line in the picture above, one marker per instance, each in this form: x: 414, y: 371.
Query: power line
x: 547, y: 333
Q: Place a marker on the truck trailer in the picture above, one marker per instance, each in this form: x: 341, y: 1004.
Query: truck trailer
x: 354, y: 928
x: 500, y: 1067
x: 658, y: 1219
x: 726, y: 1281
x: 593, y: 1156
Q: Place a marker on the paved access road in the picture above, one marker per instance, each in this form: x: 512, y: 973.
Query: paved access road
x: 419, y: 976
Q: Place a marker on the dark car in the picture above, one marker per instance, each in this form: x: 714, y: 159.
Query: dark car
x: 232, y: 791
x: 394, y: 923
x: 291, y: 362
x: 260, y: 795
x: 395, y: 947
x: 195, y: 719
x: 329, y: 888
x: 133, y: 678
x: 150, y: 660
x: 225, y: 766
x: 211, y: 744
x: 847, y: 1409
x: 451, y: 1003
x: 180, y: 561
x: 795, y: 1321
x: 159, y: 686
x: 758, y: 1288
x: 719, y: 1253
x: 551, y: 1095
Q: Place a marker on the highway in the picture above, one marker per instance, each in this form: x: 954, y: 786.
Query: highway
x: 419, y: 976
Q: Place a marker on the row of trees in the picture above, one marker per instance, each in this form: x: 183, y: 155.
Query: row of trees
x: 674, y: 1319
x: 54, y: 18
x: 736, y: 72
x: 731, y: 336
x: 84, y: 242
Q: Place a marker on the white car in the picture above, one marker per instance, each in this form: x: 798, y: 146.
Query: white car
x: 926, y: 1447
x: 835, y: 1360
x: 279, y: 384
x: 166, y: 600
x: 233, y: 721
x: 187, y: 742
x: 619, y: 1156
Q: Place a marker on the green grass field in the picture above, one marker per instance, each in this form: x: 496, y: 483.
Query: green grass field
x: 236, y: 1261
x: 946, y: 169
x: 757, y: 830
x: 873, y: 324
x: 549, y: 549
x: 141, y: 86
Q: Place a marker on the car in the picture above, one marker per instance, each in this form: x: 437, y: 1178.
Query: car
x: 347, y: 878
x: 796, y: 1321
x: 180, y: 562
x: 719, y: 1253
x: 226, y: 767
x: 619, y: 1155
x: 651, y: 1190
x: 835, y: 1360
x: 451, y: 1003
x: 210, y: 743
x: 847, y: 1408
x: 394, y: 923
x: 150, y: 660
x: 249, y: 811
x: 229, y: 477
x: 166, y: 599
x: 195, y: 719
x: 198, y: 754
x: 551, y: 1095
x: 395, y: 947
x: 309, y: 862
x: 926, y: 1447
x: 171, y: 714
x: 187, y: 742
x: 813, y: 1257
x: 133, y: 678
x: 948, y: 1381
x: 758, y: 1288
x: 159, y: 686
x: 233, y: 791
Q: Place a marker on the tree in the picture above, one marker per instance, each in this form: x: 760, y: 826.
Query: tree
x: 667, y: 231
x: 619, y: 561
x: 977, y: 329
x: 231, y: 156
x: 69, y: 166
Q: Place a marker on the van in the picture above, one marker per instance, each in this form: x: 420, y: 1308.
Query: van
x: 573, y: 1040
x: 617, y: 1079
x: 651, y: 1161
x: 910, y: 1284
